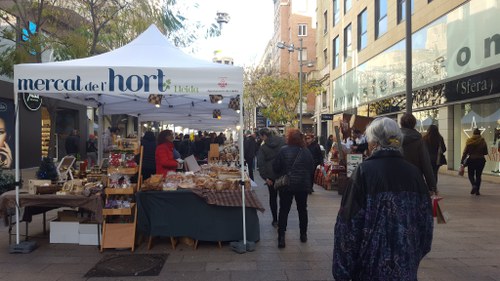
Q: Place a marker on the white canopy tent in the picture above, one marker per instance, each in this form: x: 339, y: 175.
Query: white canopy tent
x: 120, y: 82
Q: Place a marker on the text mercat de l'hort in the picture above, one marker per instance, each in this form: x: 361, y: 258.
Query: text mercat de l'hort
x: 116, y: 82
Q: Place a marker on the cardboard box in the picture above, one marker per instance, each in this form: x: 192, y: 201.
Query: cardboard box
x: 87, y: 234
x: 68, y: 215
x: 64, y: 232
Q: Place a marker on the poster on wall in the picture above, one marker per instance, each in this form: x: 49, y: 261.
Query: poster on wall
x: 353, y: 160
x: 7, y: 118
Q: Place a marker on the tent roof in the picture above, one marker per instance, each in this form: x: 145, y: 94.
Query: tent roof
x: 150, y: 48
x: 121, y: 81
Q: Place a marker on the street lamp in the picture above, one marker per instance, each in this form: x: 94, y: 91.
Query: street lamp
x: 291, y: 48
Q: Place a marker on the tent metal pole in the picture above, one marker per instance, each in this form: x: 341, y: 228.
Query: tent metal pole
x: 139, y: 129
x: 100, y: 118
x: 240, y: 132
x: 17, y: 183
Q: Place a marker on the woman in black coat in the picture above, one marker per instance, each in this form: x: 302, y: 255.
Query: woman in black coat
x: 474, y: 151
x: 436, y: 148
x: 148, y: 155
x: 384, y: 226
x: 295, y: 160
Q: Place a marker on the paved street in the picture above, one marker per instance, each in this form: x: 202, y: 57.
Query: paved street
x: 464, y: 249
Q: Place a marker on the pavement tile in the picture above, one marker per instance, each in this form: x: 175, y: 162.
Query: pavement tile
x: 268, y: 275
x: 309, y: 274
x: 26, y: 275
x: 231, y: 266
x: 464, y: 249
x: 196, y: 276
x: 274, y: 265
x: 184, y: 266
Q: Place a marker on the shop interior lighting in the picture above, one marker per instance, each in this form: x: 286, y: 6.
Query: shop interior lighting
x: 216, y: 98
x: 234, y: 104
x: 216, y: 114
x: 155, y: 99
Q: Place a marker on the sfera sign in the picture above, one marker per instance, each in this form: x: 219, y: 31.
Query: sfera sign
x: 32, y: 102
x: 473, y: 86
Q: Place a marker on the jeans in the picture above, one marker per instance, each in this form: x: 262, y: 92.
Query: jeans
x: 286, y: 199
x: 92, y: 159
x: 475, y: 170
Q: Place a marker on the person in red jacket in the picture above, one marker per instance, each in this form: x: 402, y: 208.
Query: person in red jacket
x: 164, y: 154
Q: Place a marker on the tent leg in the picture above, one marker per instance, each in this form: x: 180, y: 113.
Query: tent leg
x: 16, y: 108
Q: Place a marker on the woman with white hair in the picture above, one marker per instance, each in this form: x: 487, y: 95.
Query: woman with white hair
x: 384, y: 225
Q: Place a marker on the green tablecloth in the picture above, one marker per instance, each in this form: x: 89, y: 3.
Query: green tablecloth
x: 182, y: 213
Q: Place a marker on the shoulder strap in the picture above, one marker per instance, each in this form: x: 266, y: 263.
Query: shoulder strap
x: 296, y: 158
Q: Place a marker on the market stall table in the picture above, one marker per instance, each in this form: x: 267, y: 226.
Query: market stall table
x: 330, y: 176
x: 204, y: 216
x: 33, y: 203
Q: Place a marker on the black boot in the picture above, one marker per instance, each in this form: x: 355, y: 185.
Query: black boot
x: 281, y: 240
x: 474, y: 189
x: 303, y: 237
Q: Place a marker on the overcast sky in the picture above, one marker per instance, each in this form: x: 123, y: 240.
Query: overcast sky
x: 245, y: 37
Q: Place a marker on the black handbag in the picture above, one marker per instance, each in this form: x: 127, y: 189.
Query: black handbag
x: 284, y: 180
x: 441, y: 159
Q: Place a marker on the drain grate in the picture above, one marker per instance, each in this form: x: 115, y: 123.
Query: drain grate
x: 128, y: 265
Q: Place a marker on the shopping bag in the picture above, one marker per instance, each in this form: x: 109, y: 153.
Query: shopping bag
x: 437, y: 212
x: 435, y: 204
x: 318, y: 176
x: 461, y: 170
x: 441, y: 217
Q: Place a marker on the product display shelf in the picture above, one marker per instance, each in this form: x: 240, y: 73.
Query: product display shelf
x: 118, y: 229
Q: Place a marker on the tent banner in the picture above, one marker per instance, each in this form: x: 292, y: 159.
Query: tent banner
x: 40, y: 78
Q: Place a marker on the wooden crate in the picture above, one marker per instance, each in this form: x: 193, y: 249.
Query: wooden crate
x: 122, y: 170
x: 119, y: 212
x: 118, y: 191
x: 119, y: 235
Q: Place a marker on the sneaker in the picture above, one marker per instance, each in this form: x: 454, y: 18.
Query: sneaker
x: 477, y: 193
x: 275, y: 224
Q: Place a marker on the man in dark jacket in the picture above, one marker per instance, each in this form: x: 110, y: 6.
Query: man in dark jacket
x: 249, y: 147
x: 271, y: 144
x: 186, y: 147
x: 415, y: 150
x: 315, y: 149
x: 72, y: 143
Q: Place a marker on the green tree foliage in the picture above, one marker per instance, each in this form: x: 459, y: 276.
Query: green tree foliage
x: 80, y: 28
x: 279, y: 96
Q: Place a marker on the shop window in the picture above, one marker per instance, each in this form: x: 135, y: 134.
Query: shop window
x: 380, y: 18
x: 484, y: 115
x: 362, y: 30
